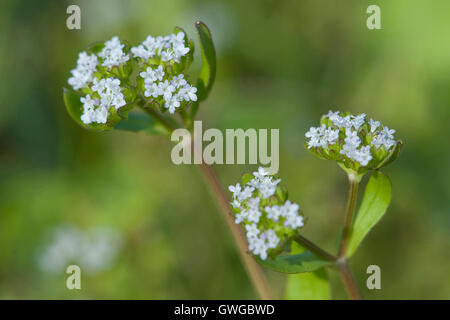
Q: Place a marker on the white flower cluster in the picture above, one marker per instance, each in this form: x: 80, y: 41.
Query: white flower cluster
x: 112, y: 53
x: 351, y: 128
x: 288, y: 211
x: 321, y: 136
x: 93, y: 250
x: 97, y: 110
x: 260, y: 243
x: 83, y: 73
x: 264, y: 183
x: 260, y: 219
x: 173, y: 91
x: 168, y: 48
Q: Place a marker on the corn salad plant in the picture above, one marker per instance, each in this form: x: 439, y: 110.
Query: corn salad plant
x: 147, y: 88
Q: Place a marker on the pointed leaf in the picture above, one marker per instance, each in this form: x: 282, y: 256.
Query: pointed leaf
x: 141, y: 122
x: 308, y: 286
x: 303, y: 262
x: 208, y: 69
x: 376, y: 199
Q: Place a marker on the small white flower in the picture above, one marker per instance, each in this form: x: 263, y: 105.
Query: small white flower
x: 331, y: 135
x: 358, y: 121
x: 235, y: 190
x: 188, y: 93
x: 259, y: 248
x: 112, y: 54
x: 264, y: 183
x: 153, y: 90
x: 252, y: 230
x: 261, y: 173
x: 271, y: 238
x: 152, y: 75
x: 273, y: 212
x: 241, y: 217
x: 384, y: 138
x: 167, y: 55
x: 253, y: 213
x: 363, y: 155
x: 333, y: 115
x: 290, y: 212
x: 373, y: 125
x: 235, y: 204
x: 83, y: 73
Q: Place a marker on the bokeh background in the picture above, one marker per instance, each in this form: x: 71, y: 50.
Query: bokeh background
x: 153, y: 229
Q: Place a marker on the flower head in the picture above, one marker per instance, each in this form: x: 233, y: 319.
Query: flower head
x: 83, y: 73
x: 260, y: 206
x: 358, y: 144
x: 105, y: 80
x: 108, y: 93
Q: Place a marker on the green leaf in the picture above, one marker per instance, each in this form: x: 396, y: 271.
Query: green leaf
x: 298, y: 263
x: 376, y: 199
x: 141, y: 122
x: 308, y: 286
x: 208, y: 69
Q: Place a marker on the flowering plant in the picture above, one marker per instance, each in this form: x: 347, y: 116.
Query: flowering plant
x: 356, y: 144
x: 146, y: 88
x: 272, y: 222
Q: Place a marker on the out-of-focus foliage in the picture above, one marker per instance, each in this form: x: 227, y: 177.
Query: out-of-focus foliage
x: 280, y: 64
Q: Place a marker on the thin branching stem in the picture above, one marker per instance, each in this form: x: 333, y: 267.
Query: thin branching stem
x: 314, y: 248
x: 348, y: 280
x: 344, y: 268
x: 254, y: 271
x: 351, y: 204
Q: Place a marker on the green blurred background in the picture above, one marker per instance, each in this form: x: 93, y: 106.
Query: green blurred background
x: 281, y: 64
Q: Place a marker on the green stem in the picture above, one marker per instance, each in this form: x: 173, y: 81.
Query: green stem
x: 351, y: 204
x: 348, y: 280
x: 254, y: 271
x: 314, y: 248
x: 169, y: 125
x: 342, y: 262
